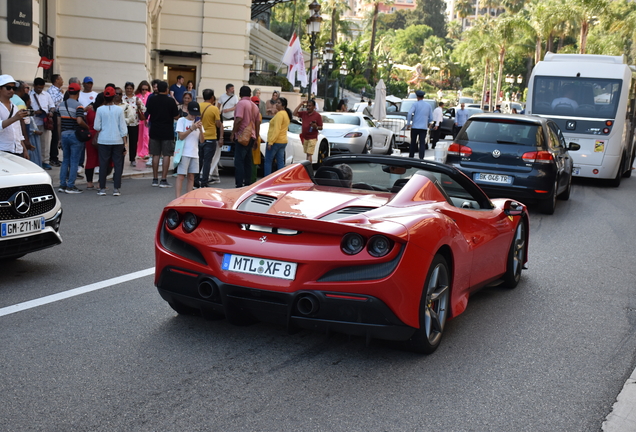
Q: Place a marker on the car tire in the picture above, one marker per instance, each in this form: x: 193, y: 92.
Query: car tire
x: 434, y: 308
x: 516, y: 257
x: 565, y: 195
x: 547, y: 206
x: 391, y: 146
x: 367, y: 146
x: 323, y: 152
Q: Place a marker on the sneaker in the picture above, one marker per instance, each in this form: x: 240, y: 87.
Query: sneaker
x: 61, y: 189
x: 164, y: 184
x: 214, y: 181
x: 101, y: 192
x: 79, y: 176
x: 47, y: 167
x: 116, y: 192
x: 56, y: 163
x: 73, y: 190
x: 155, y: 182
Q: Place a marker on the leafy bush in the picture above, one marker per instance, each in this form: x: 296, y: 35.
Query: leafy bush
x: 271, y: 80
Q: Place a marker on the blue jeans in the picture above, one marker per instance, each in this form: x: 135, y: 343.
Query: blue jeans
x: 206, y: 152
x: 243, y: 164
x: 276, y: 152
x: 72, y: 150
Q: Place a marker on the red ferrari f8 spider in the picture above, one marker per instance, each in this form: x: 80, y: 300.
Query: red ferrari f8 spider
x: 377, y: 246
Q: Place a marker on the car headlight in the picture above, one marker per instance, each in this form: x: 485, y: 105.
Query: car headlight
x: 172, y: 219
x: 190, y: 222
x: 379, y: 246
x: 352, y: 243
x: 353, y: 135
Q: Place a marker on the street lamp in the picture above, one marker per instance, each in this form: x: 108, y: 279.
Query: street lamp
x: 510, y: 79
x: 343, y: 73
x: 519, y: 79
x: 327, y: 55
x: 313, y: 28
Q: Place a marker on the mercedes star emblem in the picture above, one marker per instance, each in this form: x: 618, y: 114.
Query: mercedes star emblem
x: 496, y: 153
x: 22, y: 202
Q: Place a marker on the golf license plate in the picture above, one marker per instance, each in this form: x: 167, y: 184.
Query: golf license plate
x: 493, y: 178
x: 24, y: 226
x: 259, y: 266
x: 226, y: 148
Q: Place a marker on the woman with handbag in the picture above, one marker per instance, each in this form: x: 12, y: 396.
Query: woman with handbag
x: 143, y: 92
x: 139, y: 107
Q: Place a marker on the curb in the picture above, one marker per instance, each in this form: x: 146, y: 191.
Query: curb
x: 623, y: 415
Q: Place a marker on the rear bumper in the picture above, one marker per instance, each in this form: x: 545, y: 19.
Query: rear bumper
x: 353, y: 314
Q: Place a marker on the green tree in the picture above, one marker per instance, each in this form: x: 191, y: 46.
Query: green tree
x: 586, y: 12
x: 431, y: 13
x: 335, y: 9
x: 375, y: 7
x: 464, y: 8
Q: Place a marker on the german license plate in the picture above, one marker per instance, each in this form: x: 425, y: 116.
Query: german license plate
x: 226, y: 148
x: 259, y: 266
x: 576, y: 171
x: 493, y: 178
x: 24, y: 226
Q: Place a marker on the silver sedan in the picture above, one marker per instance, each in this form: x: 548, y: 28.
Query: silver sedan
x: 353, y: 132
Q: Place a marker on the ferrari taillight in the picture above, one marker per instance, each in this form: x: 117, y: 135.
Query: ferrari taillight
x: 172, y: 219
x: 459, y: 150
x: 538, y: 157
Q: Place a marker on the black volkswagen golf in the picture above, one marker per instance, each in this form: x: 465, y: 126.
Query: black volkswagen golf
x: 518, y: 156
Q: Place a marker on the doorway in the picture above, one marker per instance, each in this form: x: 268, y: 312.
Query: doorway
x: 171, y: 72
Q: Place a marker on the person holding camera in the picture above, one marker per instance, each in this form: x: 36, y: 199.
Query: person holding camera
x: 11, y: 136
x: 311, y: 123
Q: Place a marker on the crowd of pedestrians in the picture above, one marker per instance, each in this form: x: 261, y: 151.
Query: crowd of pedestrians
x: 89, y: 133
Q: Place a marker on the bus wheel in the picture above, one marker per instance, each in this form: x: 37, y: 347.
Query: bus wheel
x: 616, y: 181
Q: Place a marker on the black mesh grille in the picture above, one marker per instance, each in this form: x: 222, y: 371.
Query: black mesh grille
x: 23, y: 245
x: 33, y: 191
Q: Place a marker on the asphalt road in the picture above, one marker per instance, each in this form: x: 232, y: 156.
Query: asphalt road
x: 550, y: 355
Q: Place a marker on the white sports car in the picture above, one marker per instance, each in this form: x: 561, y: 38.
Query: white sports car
x: 354, y: 132
x: 30, y: 212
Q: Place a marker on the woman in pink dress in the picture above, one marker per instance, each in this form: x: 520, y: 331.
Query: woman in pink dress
x: 142, y: 92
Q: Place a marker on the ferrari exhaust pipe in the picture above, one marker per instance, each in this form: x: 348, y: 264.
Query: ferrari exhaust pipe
x: 208, y: 289
x: 307, y: 305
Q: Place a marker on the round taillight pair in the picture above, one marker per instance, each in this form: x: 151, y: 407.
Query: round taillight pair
x: 377, y: 246
x: 190, y: 221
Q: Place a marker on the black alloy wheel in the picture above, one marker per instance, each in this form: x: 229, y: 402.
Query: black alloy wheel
x: 516, y: 257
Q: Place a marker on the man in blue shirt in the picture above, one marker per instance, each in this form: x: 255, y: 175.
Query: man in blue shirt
x: 421, y: 114
x: 178, y: 89
x: 461, y: 115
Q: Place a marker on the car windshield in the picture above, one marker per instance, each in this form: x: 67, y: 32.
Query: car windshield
x: 500, y: 132
x: 578, y: 97
x: 295, y: 128
x: 341, y: 119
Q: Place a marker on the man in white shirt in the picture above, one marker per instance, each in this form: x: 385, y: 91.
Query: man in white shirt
x: 87, y: 95
x: 10, y: 131
x: 43, y: 105
x: 567, y: 99
x: 438, y: 117
x: 227, y: 103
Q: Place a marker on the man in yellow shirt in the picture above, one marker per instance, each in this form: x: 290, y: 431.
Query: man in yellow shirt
x: 208, y: 152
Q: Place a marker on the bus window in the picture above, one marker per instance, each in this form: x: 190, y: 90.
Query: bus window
x: 576, y: 97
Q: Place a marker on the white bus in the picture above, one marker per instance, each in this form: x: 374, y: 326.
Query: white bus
x: 591, y: 98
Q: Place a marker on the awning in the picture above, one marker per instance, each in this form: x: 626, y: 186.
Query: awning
x: 192, y: 54
x: 267, y: 45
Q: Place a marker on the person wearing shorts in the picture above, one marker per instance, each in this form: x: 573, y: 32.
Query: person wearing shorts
x: 312, y: 124
x: 190, y: 130
x: 161, y: 110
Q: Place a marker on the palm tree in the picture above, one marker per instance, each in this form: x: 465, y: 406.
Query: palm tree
x: 374, y: 20
x: 464, y: 8
x: 335, y: 9
x: 545, y: 17
x: 586, y: 12
x: 506, y: 31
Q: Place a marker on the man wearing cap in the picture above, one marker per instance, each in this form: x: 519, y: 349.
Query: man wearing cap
x: 421, y: 115
x: 10, y: 131
x: 71, y: 114
x: 191, y: 131
x: 227, y: 103
x: 87, y: 96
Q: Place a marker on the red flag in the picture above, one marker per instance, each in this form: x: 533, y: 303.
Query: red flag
x: 45, y: 63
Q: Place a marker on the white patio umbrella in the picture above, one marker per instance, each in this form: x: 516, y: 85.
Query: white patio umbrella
x: 379, y: 107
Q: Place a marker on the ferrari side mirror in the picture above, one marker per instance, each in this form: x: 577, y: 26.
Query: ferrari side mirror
x: 513, y: 208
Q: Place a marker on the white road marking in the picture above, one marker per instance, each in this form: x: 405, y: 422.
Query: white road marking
x: 74, y: 292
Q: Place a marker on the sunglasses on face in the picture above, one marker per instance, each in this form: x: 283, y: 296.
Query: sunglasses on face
x: 10, y: 88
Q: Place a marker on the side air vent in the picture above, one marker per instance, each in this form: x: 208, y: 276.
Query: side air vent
x: 347, y: 211
x: 257, y: 203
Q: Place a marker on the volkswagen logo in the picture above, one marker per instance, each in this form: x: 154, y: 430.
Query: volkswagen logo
x: 21, y: 203
x: 496, y: 154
